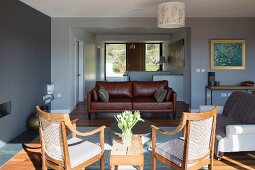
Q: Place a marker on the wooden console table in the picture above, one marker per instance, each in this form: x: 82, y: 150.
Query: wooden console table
x: 227, y: 87
x: 122, y: 155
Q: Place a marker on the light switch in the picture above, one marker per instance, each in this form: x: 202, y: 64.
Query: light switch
x: 198, y: 70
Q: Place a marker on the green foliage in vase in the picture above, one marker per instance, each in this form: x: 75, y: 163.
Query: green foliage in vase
x: 228, y: 54
x: 126, y: 120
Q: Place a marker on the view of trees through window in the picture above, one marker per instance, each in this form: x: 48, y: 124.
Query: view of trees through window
x: 152, y: 55
x: 115, y: 59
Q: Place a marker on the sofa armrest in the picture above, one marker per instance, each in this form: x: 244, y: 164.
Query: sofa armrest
x: 240, y: 130
x: 205, y: 108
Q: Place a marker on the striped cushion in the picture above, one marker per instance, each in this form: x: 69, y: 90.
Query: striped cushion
x: 160, y: 94
x: 103, y: 94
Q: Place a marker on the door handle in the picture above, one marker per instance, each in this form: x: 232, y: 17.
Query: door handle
x: 78, y: 75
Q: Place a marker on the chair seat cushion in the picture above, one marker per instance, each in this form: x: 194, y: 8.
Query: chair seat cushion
x: 171, y: 150
x: 81, y: 151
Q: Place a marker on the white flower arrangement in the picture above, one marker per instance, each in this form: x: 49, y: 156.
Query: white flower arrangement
x: 126, y: 120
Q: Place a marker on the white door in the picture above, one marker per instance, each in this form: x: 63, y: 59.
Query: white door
x: 79, y: 86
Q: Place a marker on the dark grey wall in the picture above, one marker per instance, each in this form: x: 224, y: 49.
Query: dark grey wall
x: 25, y: 57
x: 204, y: 29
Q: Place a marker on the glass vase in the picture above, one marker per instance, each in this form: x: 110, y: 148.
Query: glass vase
x: 127, y: 138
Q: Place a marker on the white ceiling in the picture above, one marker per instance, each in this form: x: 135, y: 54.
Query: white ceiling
x: 141, y: 8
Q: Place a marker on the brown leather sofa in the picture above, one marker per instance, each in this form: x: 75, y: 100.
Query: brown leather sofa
x: 131, y: 95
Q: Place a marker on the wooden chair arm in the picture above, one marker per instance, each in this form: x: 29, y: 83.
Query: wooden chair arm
x: 73, y: 130
x: 73, y: 122
x: 157, y: 129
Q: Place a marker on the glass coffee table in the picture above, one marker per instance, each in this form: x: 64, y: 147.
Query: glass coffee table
x: 141, y: 128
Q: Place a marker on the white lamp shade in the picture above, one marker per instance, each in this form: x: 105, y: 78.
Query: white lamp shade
x: 171, y: 15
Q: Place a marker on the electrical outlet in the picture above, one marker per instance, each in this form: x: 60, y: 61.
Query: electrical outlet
x: 59, y: 95
x: 47, y: 101
x: 203, y: 70
x: 198, y: 70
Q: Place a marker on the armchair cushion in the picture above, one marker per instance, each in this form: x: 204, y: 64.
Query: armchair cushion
x: 240, y: 130
x: 171, y: 150
x: 81, y: 151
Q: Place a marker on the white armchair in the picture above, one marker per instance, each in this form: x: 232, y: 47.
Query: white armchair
x: 235, y: 126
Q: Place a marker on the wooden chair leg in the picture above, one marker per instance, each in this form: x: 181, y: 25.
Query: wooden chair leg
x: 44, y: 167
x: 102, y: 162
x: 153, y: 162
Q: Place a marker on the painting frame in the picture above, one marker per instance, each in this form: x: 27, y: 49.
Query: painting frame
x: 219, y: 45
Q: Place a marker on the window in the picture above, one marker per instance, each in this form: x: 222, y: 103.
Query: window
x: 152, y: 55
x: 115, y: 59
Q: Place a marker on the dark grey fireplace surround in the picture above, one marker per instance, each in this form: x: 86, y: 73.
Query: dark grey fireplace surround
x: 5, y: 109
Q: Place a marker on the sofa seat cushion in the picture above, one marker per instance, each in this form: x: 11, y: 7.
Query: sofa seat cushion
x: 120, y: 100
x: 115, y: 103
x: 150, y: 104
x: 144, y: 100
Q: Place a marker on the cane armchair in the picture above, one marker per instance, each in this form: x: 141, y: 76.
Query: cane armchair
x: 192, y: 151
x: 59, y: 152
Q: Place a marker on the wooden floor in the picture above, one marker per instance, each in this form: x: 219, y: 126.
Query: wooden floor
x: 29, y: 157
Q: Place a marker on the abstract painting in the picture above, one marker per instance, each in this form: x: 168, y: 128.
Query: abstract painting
x: 227, y: 54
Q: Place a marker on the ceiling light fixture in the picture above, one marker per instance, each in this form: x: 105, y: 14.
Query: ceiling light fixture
x: 171, y: 15
x: 132, y: 46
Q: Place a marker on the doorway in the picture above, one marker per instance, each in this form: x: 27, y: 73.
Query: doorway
x: 79, y: 73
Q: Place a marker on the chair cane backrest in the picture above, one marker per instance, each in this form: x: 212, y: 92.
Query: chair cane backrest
x: 199, y: 138
x: 200, y: 131
x: 50, y: 133
x: 52, y: 138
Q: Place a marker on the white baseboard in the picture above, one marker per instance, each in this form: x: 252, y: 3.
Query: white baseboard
x: 60, y: 111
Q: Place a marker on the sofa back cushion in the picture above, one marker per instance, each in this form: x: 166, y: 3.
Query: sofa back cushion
x: 147, y: 88
x: 240, y: 106
x: 116, y: 89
